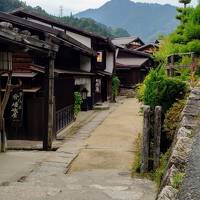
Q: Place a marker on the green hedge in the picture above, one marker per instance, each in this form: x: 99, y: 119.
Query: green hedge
x: 159, y: 89
x: 77, y: 103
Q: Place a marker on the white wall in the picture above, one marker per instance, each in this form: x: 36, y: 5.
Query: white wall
x: 109, y: 61
x: 85, y: 63
x: 84, y: 83
x: 82, y: 39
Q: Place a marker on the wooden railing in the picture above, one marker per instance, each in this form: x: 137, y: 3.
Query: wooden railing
x: 64, y: 117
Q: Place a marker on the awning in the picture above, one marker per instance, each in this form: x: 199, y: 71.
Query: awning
x: 60, y: 71
x: 27, y: 90
x: 103, y: 73
x: 131, y: 62
x: 22, y: 74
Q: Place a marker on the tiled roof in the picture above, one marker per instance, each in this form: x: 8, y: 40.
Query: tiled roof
x: 131, y: 62
x: 122, y: 41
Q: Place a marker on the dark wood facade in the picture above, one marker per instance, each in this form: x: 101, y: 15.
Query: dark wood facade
x: 97, y: 43
x: 50, y: 73
x: 132, y: 67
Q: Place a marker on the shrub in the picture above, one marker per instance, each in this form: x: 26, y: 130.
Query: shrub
x: 192, y: 31
x: 140, y: 92
x: 115, y: 86
x: 177, y: 38
x: 194, y: 46
x: 159, y: 89
x: 195, y: 16
x: 186, y: 61
x: 77, y: 103
x: 173, y: 118
x: 185, y: 68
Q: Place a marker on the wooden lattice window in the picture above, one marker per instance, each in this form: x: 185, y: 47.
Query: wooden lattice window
x: 5, y: 61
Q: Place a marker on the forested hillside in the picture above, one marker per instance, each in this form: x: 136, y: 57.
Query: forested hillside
x: 146, y: 20
x: 186, y: 38
x: 86, y: 24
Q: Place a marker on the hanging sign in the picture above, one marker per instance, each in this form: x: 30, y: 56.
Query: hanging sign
x: 17, y: 99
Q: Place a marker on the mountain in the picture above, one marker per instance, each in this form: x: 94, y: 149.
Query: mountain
x: 85, y: 24
x: 145, y: 20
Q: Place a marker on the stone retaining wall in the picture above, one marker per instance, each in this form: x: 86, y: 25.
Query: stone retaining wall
x: 182, y: 159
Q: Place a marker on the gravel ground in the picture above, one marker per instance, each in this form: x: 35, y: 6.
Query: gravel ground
x: 191, y: 187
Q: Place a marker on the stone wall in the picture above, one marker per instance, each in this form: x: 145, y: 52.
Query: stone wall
x: 182, y: 150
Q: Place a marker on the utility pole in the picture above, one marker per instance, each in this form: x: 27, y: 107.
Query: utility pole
x: 61, y: 11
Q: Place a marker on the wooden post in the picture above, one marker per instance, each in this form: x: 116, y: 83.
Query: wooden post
x: 1, y: 133
x: 157, y: 135
x: 145, y: 143
x: 48, y: 135
x: 3, y: 137
x: 3, y: 104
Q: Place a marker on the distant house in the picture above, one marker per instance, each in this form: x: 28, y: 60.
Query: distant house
x: 131, y: 42
x: 132, y: 66
x: 148, y: 48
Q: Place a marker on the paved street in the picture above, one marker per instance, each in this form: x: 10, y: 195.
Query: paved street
x: 93, y: 164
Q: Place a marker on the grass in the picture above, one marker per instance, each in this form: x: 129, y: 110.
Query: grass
x: 158, y: 174
x: 177, y: 179
x: 137, y: 156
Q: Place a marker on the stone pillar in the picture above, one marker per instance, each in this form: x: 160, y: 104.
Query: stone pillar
x: 145, y: 142
x: 157, y: 135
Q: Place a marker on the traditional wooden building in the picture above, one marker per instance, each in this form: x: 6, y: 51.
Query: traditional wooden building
x: 131, y: 42
x: 67, y: 60
x: 99, y: 86
x: 47, y: 62
x: 132, y: 66
x: 148, y: 48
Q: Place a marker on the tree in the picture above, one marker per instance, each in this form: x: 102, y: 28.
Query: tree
x: 185, y: 2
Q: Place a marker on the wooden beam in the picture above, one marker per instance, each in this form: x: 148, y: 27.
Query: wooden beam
x: 48, y: 135
x: 30, y: 42
x: 27, y: 24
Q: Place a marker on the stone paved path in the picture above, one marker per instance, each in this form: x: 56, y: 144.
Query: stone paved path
x: 93, y: 164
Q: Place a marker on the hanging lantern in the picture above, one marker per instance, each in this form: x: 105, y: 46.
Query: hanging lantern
x: 84, y: 93
x: 99, y: 56
x: 5, y: 61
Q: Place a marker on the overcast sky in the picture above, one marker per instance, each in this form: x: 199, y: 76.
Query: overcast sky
x: 74, y: 6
